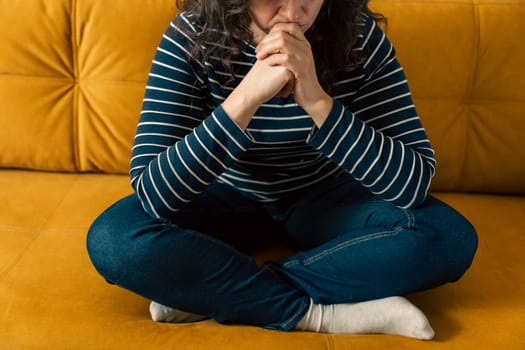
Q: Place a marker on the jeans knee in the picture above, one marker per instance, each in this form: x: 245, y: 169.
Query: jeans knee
x: 451, y: 240
x: 462, y: 246
x: 100, y: 247
x: 109, y: 237
x: 469, y: 241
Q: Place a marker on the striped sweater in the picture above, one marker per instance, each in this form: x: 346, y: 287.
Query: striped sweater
x: 185, y: 140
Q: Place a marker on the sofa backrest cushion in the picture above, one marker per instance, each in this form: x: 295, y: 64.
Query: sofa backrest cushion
x: 72, y: 77
x: 465, y: 63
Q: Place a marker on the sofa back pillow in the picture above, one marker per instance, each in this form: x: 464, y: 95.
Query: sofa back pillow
x: 73, y: 73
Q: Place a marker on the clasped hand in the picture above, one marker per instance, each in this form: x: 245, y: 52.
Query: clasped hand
x: 286, y: 50
x: 284, y: 65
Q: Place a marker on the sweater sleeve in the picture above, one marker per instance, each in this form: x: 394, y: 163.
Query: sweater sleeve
x: 378, y: 138
x: 179, y: 148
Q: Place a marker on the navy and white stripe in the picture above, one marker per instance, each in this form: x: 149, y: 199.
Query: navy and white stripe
x: 185, y: 140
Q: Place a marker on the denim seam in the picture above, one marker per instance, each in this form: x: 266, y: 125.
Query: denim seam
x: 411, y: 219
x: 284, y: 326
x: 343, y: 245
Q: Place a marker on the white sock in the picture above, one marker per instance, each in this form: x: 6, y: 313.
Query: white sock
x: 161, y: 313
x: 392, y: 315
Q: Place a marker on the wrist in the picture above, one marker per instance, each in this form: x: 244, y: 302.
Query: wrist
x: 240, y: 108
x: 320, y: 109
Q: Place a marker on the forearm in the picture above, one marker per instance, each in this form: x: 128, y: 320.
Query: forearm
x: 167, y: 181
x: 318, y: 110
x: 387, y: 167
x: 240, y: 107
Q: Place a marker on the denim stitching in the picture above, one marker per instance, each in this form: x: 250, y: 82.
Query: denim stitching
x: 411, y: 219
x: 291, y: 319
x: 343, y: 245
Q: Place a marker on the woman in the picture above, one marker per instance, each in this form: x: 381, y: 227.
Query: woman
x: 272, y: 120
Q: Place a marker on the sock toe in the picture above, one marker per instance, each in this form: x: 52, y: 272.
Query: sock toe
x: 162, y: 313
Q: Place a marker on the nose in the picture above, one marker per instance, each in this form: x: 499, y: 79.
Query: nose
x: 292, y: 10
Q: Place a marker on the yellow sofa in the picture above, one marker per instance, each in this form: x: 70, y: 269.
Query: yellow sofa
x: 72, y: 75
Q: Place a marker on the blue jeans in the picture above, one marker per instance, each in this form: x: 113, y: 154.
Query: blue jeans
x: 351, y: 246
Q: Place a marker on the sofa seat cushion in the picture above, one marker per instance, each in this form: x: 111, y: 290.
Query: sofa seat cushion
x: 52, y: 298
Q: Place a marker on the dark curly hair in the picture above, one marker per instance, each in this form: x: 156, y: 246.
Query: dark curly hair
x: 225, y: 31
